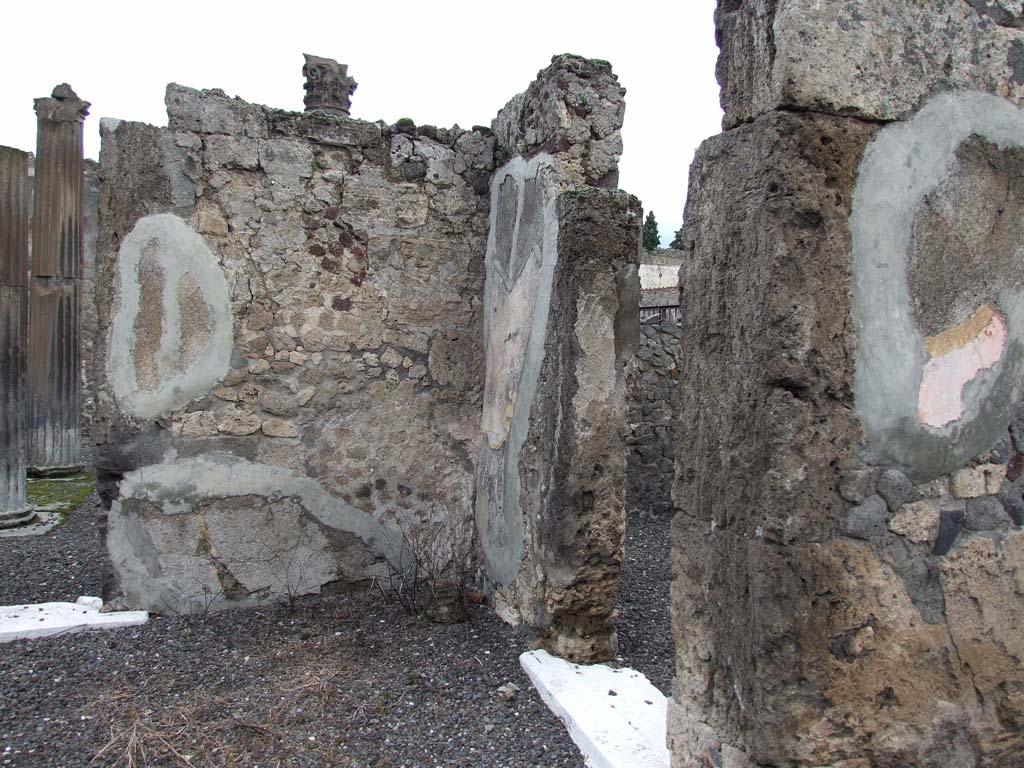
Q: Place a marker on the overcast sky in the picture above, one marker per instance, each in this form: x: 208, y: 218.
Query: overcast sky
x: 439, y: 63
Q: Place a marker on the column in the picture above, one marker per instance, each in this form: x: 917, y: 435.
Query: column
x: 14, y: 508
x: 54, y: 358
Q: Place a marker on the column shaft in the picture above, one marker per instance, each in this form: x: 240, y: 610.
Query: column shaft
x: 54, y: 357
x: 14, y: 508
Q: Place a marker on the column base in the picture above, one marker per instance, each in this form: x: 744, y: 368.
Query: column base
x: 17, y: 518
x: 73, y: 469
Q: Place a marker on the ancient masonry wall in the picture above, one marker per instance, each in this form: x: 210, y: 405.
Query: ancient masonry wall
x: 560, y: 317
x: 653, y: 418
x: 89, y: 323
x: 848, y: 552
x: 290, y: 372
x: 320, y: 338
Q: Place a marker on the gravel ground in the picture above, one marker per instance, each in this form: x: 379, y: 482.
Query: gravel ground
x: 645, y: 627
x: 345, y: 681
x: 62, y: 565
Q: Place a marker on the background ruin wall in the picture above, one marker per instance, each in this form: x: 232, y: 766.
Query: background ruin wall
x: 653, y: 417
x: 848, y: 553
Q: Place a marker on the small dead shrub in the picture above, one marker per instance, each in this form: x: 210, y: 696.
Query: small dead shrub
x: 435, y: 571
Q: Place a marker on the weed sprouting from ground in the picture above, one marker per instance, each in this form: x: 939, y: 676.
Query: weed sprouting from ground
x: 434, y: 576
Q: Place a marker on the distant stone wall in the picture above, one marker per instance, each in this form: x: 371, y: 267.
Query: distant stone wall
x: 289, y: 372
x: 653, y: 418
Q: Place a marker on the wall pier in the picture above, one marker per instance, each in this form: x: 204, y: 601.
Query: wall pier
x: 847, y: 546
x: 560, y: 327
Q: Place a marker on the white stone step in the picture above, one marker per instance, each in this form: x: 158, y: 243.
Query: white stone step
x: 22, y: 622
x: 615, y: 716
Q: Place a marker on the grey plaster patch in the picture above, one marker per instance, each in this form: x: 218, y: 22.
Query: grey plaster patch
x: 905, y: 163
x: 178, y: 489
x: 183, y: 368
x: 1015, y: 60
x: 517, y: 295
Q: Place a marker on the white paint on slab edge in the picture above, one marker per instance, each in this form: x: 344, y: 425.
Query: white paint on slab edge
x: 25, y: 622
x: 615, y: 716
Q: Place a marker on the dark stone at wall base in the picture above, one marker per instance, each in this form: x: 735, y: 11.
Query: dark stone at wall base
x: 866, y: 521
x: 985, y: 514
x: 895, y: 488
x: 857, y: 485
x: 1012, y: 497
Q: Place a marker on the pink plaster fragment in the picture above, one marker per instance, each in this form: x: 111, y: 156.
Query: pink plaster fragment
x: 940, y: 398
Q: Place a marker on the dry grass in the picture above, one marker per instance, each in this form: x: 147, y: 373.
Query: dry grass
x: 243, y: 728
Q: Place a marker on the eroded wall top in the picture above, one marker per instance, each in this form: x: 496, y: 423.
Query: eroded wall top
x: 573, y: 110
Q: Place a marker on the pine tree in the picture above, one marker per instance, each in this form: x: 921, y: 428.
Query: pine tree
x: 677, y: 241
x: 651, y: 239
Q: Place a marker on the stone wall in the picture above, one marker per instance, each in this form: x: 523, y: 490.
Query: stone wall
x: 848, y: 545
x: 653, y: 418
x: 291, y: 371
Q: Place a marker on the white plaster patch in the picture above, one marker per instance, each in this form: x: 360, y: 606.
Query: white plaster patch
x: 25, y: 622
x: 659, y: 276
x: 181, y: 253
x: 516, y: 297
x: 940, y: 398
x: 615, y: 716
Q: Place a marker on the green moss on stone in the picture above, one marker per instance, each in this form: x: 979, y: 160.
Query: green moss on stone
x: 60, y: 494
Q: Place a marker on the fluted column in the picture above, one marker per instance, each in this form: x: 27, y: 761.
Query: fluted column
x: 14, y: 508
x: 54, y: 357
